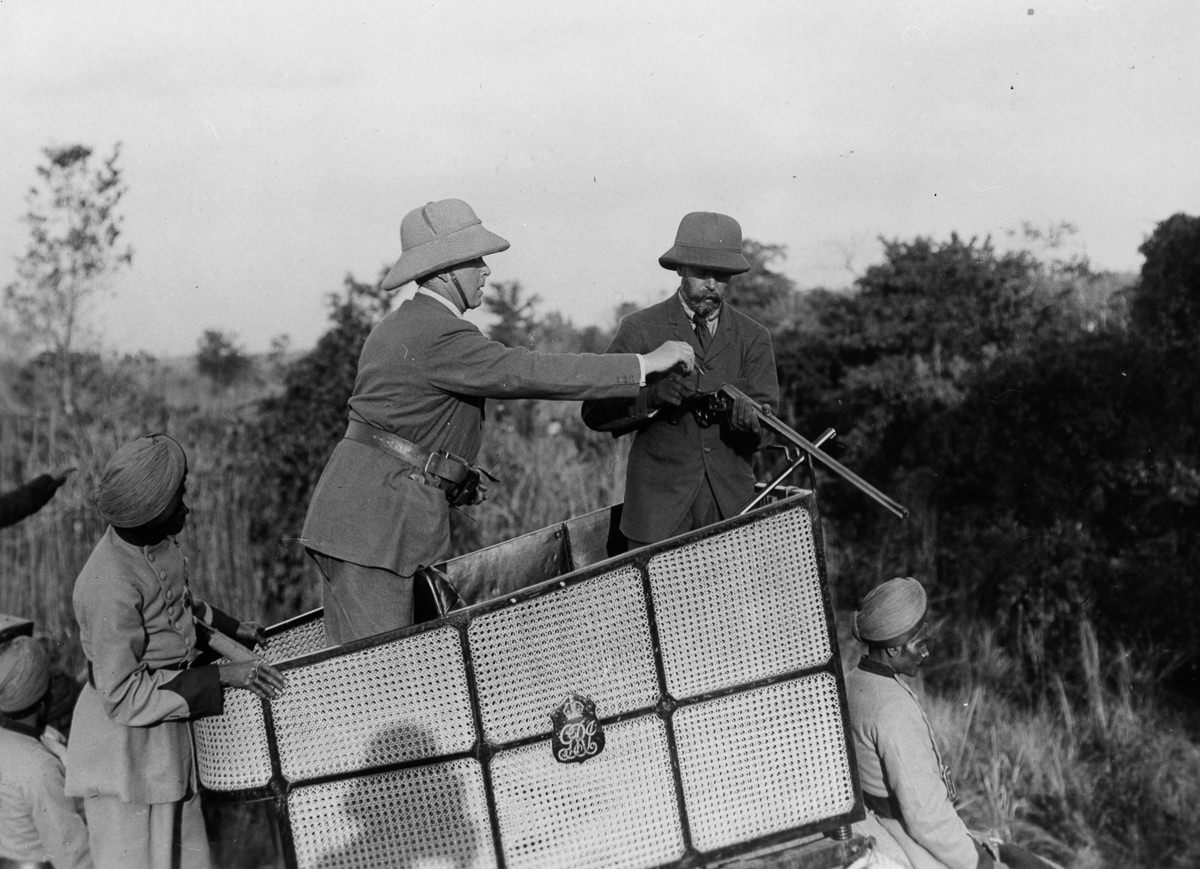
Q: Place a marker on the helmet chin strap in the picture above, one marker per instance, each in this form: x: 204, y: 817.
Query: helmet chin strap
x: 462, y: 295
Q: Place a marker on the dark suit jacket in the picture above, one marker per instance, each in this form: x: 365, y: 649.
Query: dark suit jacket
x: 669, y: 461
x: 424, y: 374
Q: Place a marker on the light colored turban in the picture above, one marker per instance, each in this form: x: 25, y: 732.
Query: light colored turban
x: 891, y: 613
x: 140, y: 480
x: 24, y: 674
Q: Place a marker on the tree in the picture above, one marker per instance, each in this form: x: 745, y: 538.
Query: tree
x: 74, y: 246
x: 1166, y: 301
x: 517, y: 322
x: 297, y: 430
x: 220, y: 359
x: 762, y: 292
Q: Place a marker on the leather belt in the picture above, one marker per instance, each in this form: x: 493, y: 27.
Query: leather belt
x: 441, y: 469
x: 9, y: 863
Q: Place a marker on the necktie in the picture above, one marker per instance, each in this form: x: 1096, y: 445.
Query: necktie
x: 700, y: 327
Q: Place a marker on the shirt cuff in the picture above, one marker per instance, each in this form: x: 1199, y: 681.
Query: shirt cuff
x: 641, y: 369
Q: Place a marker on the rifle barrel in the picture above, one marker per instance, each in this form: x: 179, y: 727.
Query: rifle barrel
x: 788, y: 433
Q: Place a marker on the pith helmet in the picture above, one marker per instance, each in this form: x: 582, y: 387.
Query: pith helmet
x: 439, y: 235
x: 708, y: 241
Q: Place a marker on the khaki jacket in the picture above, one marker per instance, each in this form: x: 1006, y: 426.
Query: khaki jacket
x: 671, y: 454
x: 425, y: 374
x: 898, y: 757
x: 129, y: 734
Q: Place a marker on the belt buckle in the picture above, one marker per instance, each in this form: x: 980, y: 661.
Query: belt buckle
x: 433, y: 465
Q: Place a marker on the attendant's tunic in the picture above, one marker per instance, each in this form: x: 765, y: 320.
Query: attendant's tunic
x: 898, y: 761
x: 130, y: 740
x: 38, y: 822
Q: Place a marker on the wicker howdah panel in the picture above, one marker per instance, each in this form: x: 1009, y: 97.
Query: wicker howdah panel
x: 763, y: 761
x: 592, y: 638
x: 616, y: 810
x: 740, y: 606
x: 385, y: 704
x: 666, y: 706
x: 432, y: 815
x: 232, y: 752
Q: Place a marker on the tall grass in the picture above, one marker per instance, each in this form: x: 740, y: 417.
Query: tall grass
x: 41, y: 556
x: 1094, y: 773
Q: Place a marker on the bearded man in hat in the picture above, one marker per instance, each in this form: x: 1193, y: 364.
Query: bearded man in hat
x: 142, y: 630
x: 907, y: 788
x: 381, y: 510
x: 39, y: 824
x: 683, y: 472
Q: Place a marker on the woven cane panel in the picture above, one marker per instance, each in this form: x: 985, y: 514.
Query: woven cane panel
x: 399, y: 701
x: 303, y: 639
x: 617, y: 809
x: 592, y: 638
x: 740, y: 606
x: 764, y: 761
x: 231, y: 749
x: 430, y: 816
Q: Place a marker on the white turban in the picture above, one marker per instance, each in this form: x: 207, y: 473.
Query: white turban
x: 140, y: 480
x: 890, y: 613
x: 24, y: 674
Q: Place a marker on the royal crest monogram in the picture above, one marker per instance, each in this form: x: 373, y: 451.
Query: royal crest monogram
x: 577, y: 731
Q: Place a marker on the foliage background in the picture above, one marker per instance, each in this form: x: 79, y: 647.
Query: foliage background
x: 1036, y: 417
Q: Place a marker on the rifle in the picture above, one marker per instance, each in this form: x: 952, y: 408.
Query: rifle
x: 722, y: 401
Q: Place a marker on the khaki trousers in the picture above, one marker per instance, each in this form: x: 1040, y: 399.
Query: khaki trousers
x: 362, y: 601
x: 146, y: 836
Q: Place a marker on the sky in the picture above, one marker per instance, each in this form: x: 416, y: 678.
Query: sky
x: 272, y: 148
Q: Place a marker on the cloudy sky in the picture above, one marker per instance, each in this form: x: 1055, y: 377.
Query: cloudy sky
x: 272, y: 147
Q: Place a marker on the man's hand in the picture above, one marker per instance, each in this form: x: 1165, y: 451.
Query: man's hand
x: 669, y: 354
x: 255, y: 676
x: 742, y: 416
x: 671, y: 390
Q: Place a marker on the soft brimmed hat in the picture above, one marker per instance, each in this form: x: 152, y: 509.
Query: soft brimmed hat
x: 437, y: 236
x: 24, y: 674
x: 140, y: 480
x: 891, y: 613
x: 706, y: 240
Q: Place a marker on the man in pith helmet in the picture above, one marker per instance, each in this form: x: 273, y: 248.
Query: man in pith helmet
x: 907, y: 788
x: 380, y: 511
x: 684, y: 472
